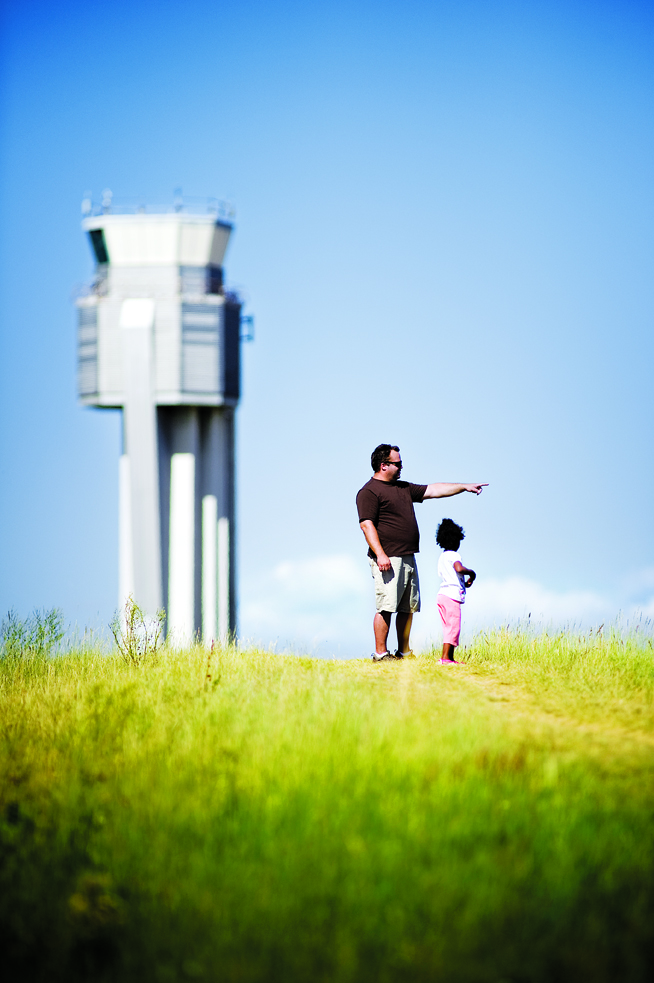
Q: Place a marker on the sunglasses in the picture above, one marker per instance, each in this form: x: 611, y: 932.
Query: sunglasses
x: 396, y: 464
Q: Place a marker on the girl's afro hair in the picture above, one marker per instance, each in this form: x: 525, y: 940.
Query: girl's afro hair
x: 449, y: 535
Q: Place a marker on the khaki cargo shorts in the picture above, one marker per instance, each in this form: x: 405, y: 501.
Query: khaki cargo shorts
x: 397, y: 589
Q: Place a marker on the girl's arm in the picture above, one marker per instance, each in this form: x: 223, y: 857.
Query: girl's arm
x: 470, y: 574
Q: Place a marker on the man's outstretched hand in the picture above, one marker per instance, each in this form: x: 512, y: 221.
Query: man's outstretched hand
x: 476, y: 488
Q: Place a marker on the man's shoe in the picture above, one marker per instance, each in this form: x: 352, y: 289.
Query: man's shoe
x: 378, y: 658
x: 404, y: 655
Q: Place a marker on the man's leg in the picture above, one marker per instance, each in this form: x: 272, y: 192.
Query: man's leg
x: 386, y: 585
x: 403, y: 624
x: 381, y: 625
x: 409, y: 603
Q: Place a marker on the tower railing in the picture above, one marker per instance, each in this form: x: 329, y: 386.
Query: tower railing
x: 135, y: 205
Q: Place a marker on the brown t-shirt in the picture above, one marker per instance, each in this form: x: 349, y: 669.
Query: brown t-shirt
x: 389, y: 504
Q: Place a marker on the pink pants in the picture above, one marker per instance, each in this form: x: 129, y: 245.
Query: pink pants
x: 450, y: 612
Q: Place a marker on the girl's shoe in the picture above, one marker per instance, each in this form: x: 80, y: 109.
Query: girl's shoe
x: 450, y: 662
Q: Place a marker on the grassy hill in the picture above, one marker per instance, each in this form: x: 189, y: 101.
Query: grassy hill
x: 257, y: 817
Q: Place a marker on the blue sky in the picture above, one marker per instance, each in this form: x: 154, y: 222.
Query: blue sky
x: 445, y: 231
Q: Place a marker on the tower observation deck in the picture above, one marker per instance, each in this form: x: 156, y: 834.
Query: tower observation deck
x: 159, y: 338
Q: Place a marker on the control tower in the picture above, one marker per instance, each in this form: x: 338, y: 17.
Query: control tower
x: 159, y: 338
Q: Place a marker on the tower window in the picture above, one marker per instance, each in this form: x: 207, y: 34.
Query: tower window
x: 99, y: 245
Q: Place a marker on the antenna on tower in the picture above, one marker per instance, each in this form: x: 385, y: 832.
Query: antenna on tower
x: 178, y: 200
x: 107, y: 195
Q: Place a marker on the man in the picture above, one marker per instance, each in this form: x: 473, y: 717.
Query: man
x: 388, y: 522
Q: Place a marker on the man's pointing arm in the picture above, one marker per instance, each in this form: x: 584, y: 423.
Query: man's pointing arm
x: 444, y: 489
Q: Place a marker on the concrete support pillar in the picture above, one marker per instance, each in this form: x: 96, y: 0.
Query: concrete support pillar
x: 209, y: 569
x: 226, y: 628
x: 218, y: 608
x: 184, y: 445
x: 141, y: 472
x: 196, y: 515
x: 125, y: 557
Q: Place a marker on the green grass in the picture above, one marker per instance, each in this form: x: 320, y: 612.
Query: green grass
x: 304, y: 820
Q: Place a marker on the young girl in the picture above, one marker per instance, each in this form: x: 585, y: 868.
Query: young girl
x: 452, y: 594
